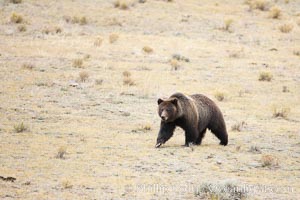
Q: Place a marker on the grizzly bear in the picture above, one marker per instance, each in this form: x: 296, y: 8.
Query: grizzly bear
x: 194, y: 114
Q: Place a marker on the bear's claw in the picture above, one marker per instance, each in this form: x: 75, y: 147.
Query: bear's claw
x: 158, y: 145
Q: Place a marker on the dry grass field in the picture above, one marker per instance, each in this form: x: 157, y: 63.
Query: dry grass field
x: 78, y: 98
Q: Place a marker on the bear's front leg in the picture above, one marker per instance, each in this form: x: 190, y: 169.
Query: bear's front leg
x: 165, y: 132
x: 190, y: 137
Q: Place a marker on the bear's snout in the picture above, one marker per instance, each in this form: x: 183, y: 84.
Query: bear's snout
x: 164, y: 116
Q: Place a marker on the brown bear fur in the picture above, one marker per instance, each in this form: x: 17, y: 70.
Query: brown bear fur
x: 194, y: 114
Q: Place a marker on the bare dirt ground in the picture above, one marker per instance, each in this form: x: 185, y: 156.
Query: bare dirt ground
x: 72, y: 126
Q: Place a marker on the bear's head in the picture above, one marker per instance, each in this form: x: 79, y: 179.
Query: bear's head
x: 167, y: 109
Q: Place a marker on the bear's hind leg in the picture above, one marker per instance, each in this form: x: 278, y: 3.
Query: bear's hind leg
x: 221, y: 134
x: 200, y: 137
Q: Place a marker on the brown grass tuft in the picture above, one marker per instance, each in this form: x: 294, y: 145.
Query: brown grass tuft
x: 122, y: 4
x: 117, y: 4
x: 220, y: 96
x: 83, y: 76
x: 126, y: 74
x: 238, y: 126
x: 52, y: 30
x: 98, y: 42
x: 255, y: 149
x: 113, y: 38
x: 99, y: 81
x: 146, y: 127
x: 227, y: 24
x: 296, y: 53
x: 66, y: 184
x: 143, y: 128
x: 76, y: 20
x: 22, y: 28
x: 174, y: 64
x: 265, y: 76
x: 275, y: 12
x: 286, y: 28
x: 113, y: 22
x: 16, y: 18
x: 15, y: 1
x: 280, y: 111
x: 57, y: 29
x: 86, y: 56
x: 78, y: 63
x: 262, y: 5
x: 27, y: 66
x: 285, y: 89
x: 147, y: 49
x: 21, y: 127
x: 61, y: 153
x: 46, y: 30
x: 128, y: 81
x: 79, y: 20
x: 269, y: 161
x: 83, y: 21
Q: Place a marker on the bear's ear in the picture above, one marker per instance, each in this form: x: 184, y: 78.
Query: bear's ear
x: 174, y: 101
x: 159, y: 101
